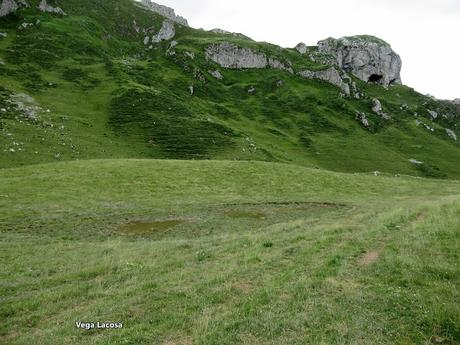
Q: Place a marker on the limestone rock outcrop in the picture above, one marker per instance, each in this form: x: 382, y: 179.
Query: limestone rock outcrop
x: 229, y: 55
x: 330, y: 75
x: 44, y: 7
x: 165, y: 12
x: 10, y: 6
x: 216, y: 74
x: 451, y: 134
x: 166, y: 32
x: 378, y: 109
x: 367, y: 58
x: 301, y: 48
x: 224, y: 32
x: 362, y: 118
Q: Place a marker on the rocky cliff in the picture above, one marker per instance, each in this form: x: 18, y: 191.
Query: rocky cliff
x: 367, y: 58
x: 165, y: 12
x: 229, y: 55
x: 10, y: 6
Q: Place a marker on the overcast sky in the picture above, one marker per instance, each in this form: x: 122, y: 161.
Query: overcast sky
x: 424, y: 32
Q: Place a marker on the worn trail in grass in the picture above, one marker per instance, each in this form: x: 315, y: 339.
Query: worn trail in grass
x: 226, y: 253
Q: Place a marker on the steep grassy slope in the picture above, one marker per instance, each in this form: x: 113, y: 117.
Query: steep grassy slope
x: 104, y: 94
x: 225, y: 252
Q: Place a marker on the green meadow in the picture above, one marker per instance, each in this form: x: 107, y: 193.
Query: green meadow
x: 204, y: 252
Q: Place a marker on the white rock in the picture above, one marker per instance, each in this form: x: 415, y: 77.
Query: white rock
x: 191, y: 89
x: 7, y: 7
x: 433, y: 114
x: 146, y: 40
x: 24, y: 26
x: 229, y: 55
x: 190, y: 55
x: 362, y: 118
x: 252, y: 89
x: 164, y: 11
x: 3, y: 35
x: 216, y: 74
x: 378, y: 109
x: 224, y: 32
x: 368, y: 58
x: 451, y: 134
x: 273, y: 63
x: 135, y: 26
x: 330, y: 75
x: 301, y: 48
x: 166, y: 32
x: 415, y: 161
x: 26, y: 105
x: 44, y: 7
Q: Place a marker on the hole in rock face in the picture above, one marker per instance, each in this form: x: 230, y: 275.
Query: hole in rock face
x: 393, y: 81
x: 375, y: 78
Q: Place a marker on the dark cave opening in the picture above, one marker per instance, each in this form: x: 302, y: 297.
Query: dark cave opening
x: 375, y: 78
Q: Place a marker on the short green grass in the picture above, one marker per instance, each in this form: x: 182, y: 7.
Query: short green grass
x: 220, y: 252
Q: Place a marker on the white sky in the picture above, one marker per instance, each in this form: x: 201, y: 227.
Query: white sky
x: 424, y: 32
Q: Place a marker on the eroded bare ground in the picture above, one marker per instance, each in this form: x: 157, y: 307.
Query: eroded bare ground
x: 255, y: 214
x: 369, y: 258
x: 372, y: 256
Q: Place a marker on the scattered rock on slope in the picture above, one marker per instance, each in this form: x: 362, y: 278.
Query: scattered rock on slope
x: 415, y: 161
x: 10, y: 6
x: 368, y: 58
x: 44, y: 7
x: 434, y: 115
x: 362, y: 118
x: 166, y: 32
x: 216, y: 74
x: 331, y: 75
x: 378, y: 109
x: 165, y: 12
x: 451, y: 134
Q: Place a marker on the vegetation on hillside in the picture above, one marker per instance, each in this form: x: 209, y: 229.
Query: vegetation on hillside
x: 104, y: 94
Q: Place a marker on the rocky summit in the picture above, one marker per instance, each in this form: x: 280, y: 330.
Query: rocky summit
x: 165, y: 12
x: 367, y: 58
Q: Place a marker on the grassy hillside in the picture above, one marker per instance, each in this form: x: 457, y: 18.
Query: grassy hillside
x: 137, y: 187
x: 102, y: 93
x: 226, y: 253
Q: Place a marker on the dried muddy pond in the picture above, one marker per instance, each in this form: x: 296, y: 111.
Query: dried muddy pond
x: 142, y: 228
